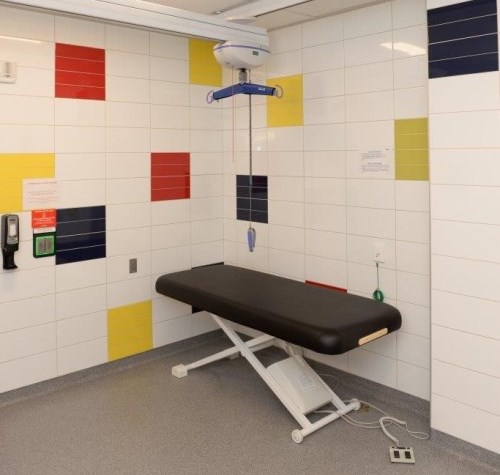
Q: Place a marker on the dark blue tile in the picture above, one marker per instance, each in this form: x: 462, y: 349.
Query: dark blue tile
x: 257, y: 180
x: 243, y: 214
x: 467, y: 65
x: 257, y: 216
x: 244, y: 203
x: 78, y: 214
x: 242, y: 180
x: 77, y: 255
x: 461, y: 48
x: 463, y: 29
x: 257, y: 192
x: 461, y: 11
x: 80, y: 227
x: 81, y: 240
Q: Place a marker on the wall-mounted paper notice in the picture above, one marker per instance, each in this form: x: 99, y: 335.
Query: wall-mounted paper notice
x: 374, y: 161
x: 39, y: 193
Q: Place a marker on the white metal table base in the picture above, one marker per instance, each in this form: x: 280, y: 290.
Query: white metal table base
x: 247, y: 350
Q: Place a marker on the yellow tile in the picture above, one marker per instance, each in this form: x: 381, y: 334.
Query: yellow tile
x: 14, y: 168
x: 411, y: 126
x: 203, y: 67
x: 412, y: 142
x: 412, y: 157
x: 130, y: 330
x: 289, y: 110
x: 412, y: 172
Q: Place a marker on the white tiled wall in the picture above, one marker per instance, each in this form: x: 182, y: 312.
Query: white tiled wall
x: 53, y: 318
x: 465, y: 235
x: 325, y: 214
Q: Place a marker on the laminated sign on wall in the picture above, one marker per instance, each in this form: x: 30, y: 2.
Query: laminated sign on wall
x: 374, y: 161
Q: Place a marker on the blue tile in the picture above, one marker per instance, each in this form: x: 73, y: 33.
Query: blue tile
x: 467, y: 65
x: 258, y: 205
x: 463, y: 29
x: 243, y: 214
x: 257, y: 216
x: 79, y: 241
x: 80, y: 234
x: 79, y: 214
x: 461, y: 11
x: 81, y: 227
x: 461, y: 48
x: 255, y: 195
x: 257, y: 192
x: 77, y: 255
x: 257, y: 180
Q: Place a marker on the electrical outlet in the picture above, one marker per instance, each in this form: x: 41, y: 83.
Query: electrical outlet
x: 379, y: 252
x: 132, y: 266
x: 401, y: 455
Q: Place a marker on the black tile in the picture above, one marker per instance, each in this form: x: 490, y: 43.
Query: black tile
x: 81, y: 227
x: 461, y: 11
x: 467, y: 65
x: 79, y: 241
x: 461, y: 48
x: 79, y: 214
x: 463, y: 29
x: 77, y: 255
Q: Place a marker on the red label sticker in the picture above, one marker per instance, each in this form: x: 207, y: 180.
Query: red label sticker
x: 43, y: 218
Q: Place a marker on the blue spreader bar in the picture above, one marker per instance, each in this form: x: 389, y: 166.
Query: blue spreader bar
x: 244, y: 88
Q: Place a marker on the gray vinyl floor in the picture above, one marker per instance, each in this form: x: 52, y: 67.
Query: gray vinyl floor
x: 221, y: 419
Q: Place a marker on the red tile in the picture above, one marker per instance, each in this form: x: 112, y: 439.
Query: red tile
x: 80, y: 79
x: 170, y: 194
x: 169, y: 170
x: 80, y: 65
x: 170, y: 182
x: 173, y: 158
x: 324, y: 286
x: 82, y: 52
x: 80, y: 92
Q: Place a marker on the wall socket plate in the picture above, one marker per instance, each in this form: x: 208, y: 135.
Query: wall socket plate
x: 132, y: 266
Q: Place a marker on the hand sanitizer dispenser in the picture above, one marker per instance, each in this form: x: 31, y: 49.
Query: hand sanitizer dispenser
x: 10, y: 239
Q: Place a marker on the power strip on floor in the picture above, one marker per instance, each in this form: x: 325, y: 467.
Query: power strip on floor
x: 402, y: 455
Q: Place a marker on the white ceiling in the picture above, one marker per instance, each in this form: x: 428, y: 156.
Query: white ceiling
x: 308, y: 10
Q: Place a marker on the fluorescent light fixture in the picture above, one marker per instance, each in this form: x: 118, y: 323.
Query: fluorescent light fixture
x: 260, y: 7
x: 151, y: 15
x: 15, y: 38
x: 408, y: 48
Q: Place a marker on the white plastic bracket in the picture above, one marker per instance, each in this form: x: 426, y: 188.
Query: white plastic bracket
x: 8, y: 72
x: 180, y: 371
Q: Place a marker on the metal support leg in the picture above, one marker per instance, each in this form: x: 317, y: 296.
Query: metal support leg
x: 247, y: 349
x: 255, y: 344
